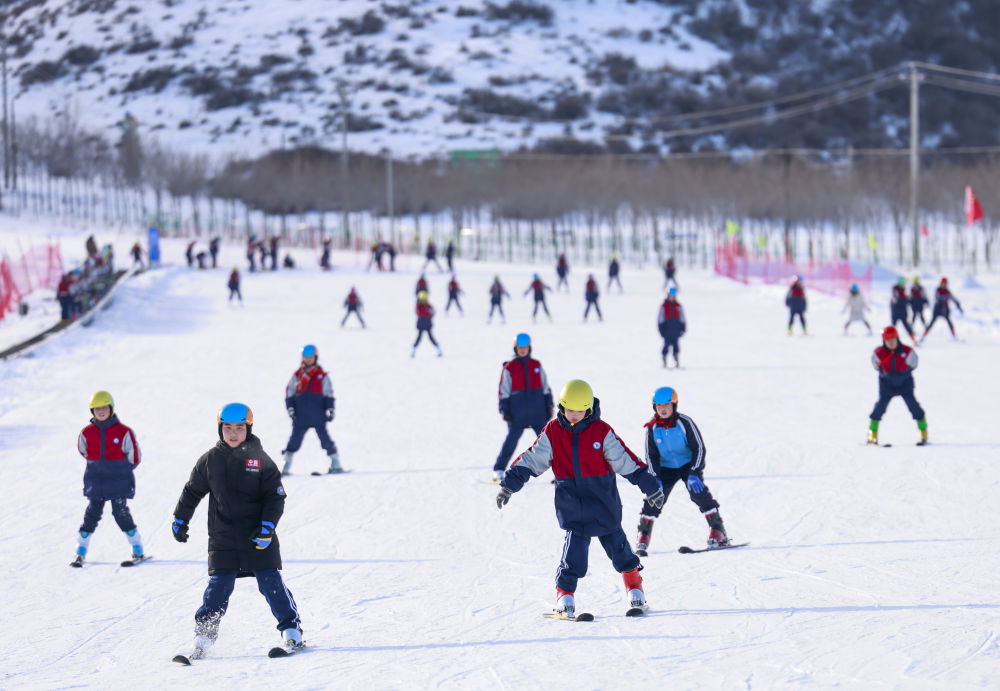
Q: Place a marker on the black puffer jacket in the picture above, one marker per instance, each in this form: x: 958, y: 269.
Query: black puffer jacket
x: 244, y: 488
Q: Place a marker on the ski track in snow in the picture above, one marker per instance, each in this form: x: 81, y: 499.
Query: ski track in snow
x: 868, y: 568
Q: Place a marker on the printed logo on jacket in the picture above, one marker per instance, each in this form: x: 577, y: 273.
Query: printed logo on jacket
x: 253, y: 464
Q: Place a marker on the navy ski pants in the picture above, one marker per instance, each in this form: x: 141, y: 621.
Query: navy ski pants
x: 497, y: 306
x: 356, y: 312
x: 540, y: 301
x: 95, y: 509
x: 576, y: 549
x: 668, y: 477
x: 220, y: 587
x: 886, y: 392
x: 299, y: 430
x: 596, y: 307
x: 514, y: 431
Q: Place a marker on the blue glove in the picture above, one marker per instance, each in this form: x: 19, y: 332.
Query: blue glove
x: 180, y: 530
x: 695, y: 485
x: 329, y: 414
x: 262, y: 538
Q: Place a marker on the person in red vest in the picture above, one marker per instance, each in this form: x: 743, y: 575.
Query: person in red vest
x: 112, y: 454
x: 497, y: 291
x: 353, y: 304
x: 525, y: 399
x: 895, y: 363
x: 453, y: 292
x: 672, y: 325
x: 590, y: 294
x: 795, y: 300
x: 539, y: 287
x: 562, y: 270
x: 669, y: 273
x: 310, y: 403
x: 898, y: 305
x: 234, y: 285
x: 586, y: 456
x: 918, y: 301
x: 421, y: 286
x: 425, y: 317
x: 64, y: 293
x: 943, y: 296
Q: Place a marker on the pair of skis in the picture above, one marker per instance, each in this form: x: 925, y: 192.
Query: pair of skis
x: 198, y: 654
x: 135, y: 561
x: 587, y: 616
x: 684, y: 549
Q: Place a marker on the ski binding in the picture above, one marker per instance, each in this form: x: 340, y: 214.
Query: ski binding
x: 582, y: 616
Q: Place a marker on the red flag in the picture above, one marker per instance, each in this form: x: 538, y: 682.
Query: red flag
x: 973, y: 209
x: 923, y: 231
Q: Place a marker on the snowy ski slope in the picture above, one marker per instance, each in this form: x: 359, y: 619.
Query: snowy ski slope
x: 869, y: 567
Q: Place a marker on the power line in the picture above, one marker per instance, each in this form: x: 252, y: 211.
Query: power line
x: 956, y: 70
x: 963, y: 85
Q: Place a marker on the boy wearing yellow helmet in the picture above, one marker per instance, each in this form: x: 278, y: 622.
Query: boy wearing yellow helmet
x: 585, y: 454
x: 112, y: 453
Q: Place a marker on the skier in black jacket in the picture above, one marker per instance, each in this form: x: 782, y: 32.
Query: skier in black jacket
x: 246, y: 500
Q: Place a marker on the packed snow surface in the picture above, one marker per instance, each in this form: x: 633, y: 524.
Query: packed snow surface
x: 868, y: 567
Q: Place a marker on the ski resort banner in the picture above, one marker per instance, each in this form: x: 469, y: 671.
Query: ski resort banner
x: 833, y: 277
x: 37, y: 269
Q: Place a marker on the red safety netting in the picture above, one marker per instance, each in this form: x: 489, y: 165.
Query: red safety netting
x: 834, y: 277
x: 38, y: 269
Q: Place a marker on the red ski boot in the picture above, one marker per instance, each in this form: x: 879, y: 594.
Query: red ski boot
x: 645, y: 533
x: 717, y: 531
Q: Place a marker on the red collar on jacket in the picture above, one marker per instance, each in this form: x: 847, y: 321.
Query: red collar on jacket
x: 657, y: 420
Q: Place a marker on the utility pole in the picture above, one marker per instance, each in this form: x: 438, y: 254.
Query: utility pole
x: 342, y: 92
x: 915, y: 79
x: 389, y: 197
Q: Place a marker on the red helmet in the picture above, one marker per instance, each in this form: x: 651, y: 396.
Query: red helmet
x: 944, y: 281
x: 889, y: 332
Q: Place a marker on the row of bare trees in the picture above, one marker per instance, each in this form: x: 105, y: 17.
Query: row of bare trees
x: 795, y: 204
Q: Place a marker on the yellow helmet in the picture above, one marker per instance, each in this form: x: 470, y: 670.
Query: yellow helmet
x: 422, y: 295
x: 101, y: 399
x: 577, y: 395
x: 916, y: 279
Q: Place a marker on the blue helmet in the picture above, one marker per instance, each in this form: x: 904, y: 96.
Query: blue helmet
x: 236, y: 412
x: 535, y: 276
x: 522, y: 340
x: 309, y: 351
x: 854, y: 287
x: 672, y: 291
x: 665, y: 394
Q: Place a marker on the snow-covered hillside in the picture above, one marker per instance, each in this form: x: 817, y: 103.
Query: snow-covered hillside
x: 245, y: 76
x: 869, y: 567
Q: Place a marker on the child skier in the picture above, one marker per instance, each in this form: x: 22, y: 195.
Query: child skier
x: 672, y: 325
x: 918, y: 301
x: 675, y: 451
x: 421, y: 286
x: 112, y: 455
x: 613, y: 271
x: 590, y: 294
x: 234, y: 285
x: 585, y: 453
x: 310, y: 403
x: 453, y: 292
x: 898, y: 305
x: 246, y: 500
x: 353, y: 304
x: 562, y: 270
x: 669, y: 273
x: 425, y: 316
x: 942, y: 296
x: 539, y: 287
x: 895, y: 363
x: 795, y: 300
x: 430, y: 255
x: 497, y: 291
x: 857, y: 305
x: 525, y: 399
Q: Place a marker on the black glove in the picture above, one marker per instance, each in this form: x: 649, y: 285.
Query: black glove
x: 329, y: 414
x: 291, y: 412
x: 180, y: 530
x: 506, y: 416
x: 656, y: 499
x: 548, y: 413
x: 504, y: 496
